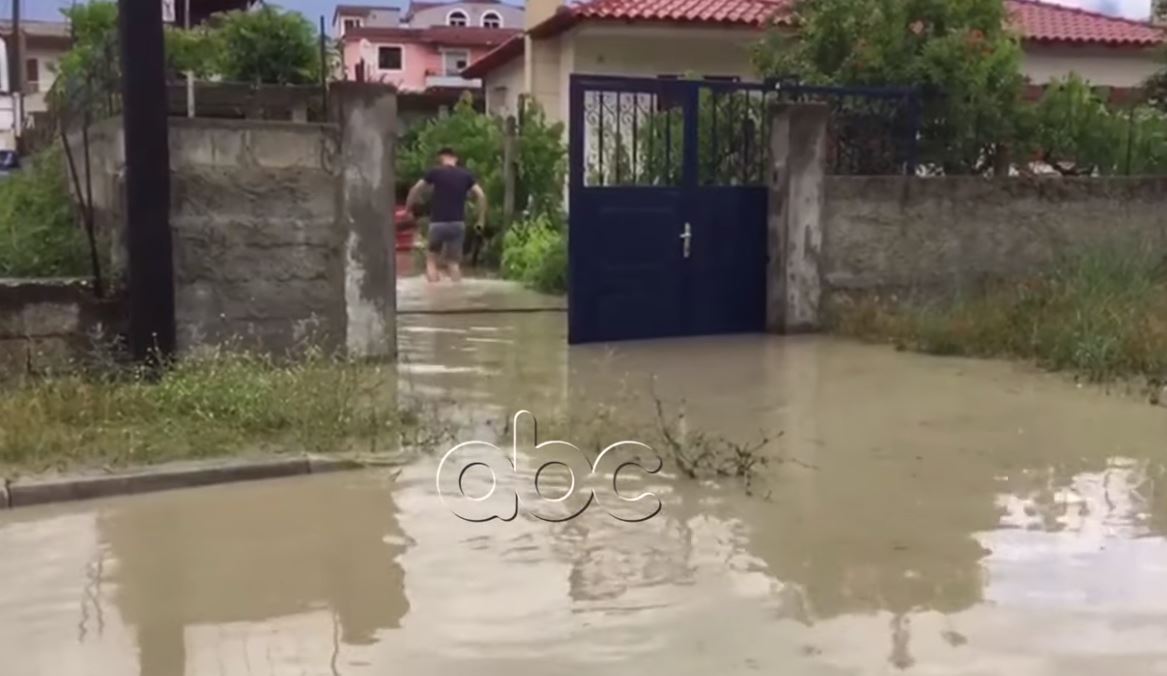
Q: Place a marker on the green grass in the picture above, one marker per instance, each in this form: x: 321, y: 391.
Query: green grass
x: 219, y: 403
x: 1100, y: 314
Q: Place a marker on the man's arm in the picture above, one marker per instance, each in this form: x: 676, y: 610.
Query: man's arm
x: 480, y: 200
x: 414, y: 195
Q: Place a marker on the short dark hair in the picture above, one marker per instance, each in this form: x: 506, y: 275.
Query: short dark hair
x: 447, y: 151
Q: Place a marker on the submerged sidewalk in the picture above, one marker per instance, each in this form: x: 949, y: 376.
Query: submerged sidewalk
x: 473, y: 294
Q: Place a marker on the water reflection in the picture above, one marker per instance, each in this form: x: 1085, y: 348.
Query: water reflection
x: 946, y: 516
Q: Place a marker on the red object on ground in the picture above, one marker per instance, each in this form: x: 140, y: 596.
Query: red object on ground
x: 406, y: 226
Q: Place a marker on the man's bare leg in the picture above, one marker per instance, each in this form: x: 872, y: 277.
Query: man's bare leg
x: 431, y: 267
x: 455, y: 271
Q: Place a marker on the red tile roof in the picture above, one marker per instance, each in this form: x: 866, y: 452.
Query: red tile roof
x: 1044, y: 22
x: 452, y: 36
x: 749, y: 12
x: 1036, y: 21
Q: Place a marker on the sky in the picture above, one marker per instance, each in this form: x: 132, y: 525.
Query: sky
x: 48, y: 9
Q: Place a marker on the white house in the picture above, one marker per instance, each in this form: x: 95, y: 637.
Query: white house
x: 713, y: 38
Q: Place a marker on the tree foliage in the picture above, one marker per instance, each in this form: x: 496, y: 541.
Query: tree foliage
x: 478, y: 140
x: 267, y: 46
x: 541, y: 164
x: 89, y: 74
x: 1076, y: 132
x: 961, y: 56
x: 264, y: 46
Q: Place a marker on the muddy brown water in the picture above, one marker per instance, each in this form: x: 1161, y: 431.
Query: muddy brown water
x: 956, y: 517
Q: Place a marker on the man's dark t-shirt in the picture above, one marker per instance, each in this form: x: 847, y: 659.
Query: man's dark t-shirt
x: 451, y: 184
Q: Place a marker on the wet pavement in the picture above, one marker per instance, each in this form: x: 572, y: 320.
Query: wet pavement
x: 947, y: 516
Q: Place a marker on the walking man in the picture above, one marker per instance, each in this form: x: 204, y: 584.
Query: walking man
x: 451, y: 184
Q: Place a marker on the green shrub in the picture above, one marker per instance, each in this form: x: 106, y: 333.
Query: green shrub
x: 534, y: 252
x: 1099, y: 314
x: 478, y: 139
x: 38, y: 235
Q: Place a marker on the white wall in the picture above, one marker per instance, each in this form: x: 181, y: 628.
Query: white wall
x: 651, y: 50
x: 47, y: 61
x: 661, y: 50
x: 1099, y: 65
x: 503, y: 87
x: 512, y: 17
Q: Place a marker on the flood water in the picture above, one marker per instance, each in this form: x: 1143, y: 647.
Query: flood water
x: 944, y: 517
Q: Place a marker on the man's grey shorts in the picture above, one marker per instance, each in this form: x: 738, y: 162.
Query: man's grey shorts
x: 446, y: 237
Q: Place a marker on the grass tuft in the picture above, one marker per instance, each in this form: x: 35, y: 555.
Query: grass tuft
x: 1100, y: 314
x: 212, y: 404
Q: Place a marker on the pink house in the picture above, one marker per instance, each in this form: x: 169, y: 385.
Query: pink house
x: 419, y: 59
x: 425, y: 48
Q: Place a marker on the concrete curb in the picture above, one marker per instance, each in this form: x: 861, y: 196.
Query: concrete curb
x: 44, y: 490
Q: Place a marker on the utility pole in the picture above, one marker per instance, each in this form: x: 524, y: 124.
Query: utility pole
x: 16, y: 71
x: 190, y: 94
x: 147, y: 152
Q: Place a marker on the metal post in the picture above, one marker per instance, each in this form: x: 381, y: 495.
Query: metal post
x: 323, y: 68
x: 508, y: 171
x: 147, y: 181
x: 1130, y: 135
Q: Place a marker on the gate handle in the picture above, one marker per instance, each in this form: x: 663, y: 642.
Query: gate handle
x: 685, y: 238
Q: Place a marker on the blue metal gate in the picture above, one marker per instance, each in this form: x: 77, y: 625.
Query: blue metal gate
x: 668, y: 201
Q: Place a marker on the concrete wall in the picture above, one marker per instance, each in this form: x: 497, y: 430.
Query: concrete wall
x: 944, y: 234
x: 46, y: 324
x: 258, y: 253
x: 503, y: 89
x: 263, y: 218
x: 649, y: 51
x: 544, y: 75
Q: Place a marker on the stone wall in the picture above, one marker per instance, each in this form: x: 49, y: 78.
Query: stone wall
x: 47, y: 324
x: 944, y: 234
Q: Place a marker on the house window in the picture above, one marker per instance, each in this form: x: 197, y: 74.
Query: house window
x: 454, y: 62
x: 31, y: 76
x: 457, y: 18
x: 389, y: 58
x: 350, y: 24
x: 491, y: 19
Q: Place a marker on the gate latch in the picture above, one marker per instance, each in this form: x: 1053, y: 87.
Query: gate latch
x: 686, y: 236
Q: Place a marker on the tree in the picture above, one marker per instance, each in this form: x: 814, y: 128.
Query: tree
x: 960, y: 55
x: 267, y: 46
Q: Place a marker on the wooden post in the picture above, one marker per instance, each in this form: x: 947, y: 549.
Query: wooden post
x: 509, y: 146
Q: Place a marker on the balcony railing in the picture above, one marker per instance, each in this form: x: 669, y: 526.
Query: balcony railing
x: 452, y: 81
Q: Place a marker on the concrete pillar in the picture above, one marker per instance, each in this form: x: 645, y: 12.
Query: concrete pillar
x: 367, y: 115
x: 798, y: 148
x: 300, y: 111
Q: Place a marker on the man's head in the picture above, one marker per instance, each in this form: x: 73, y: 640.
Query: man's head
x: 447, y: 157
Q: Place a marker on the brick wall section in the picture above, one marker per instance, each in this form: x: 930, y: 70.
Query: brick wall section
x: 47, y: 324
x: 944, y: 234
